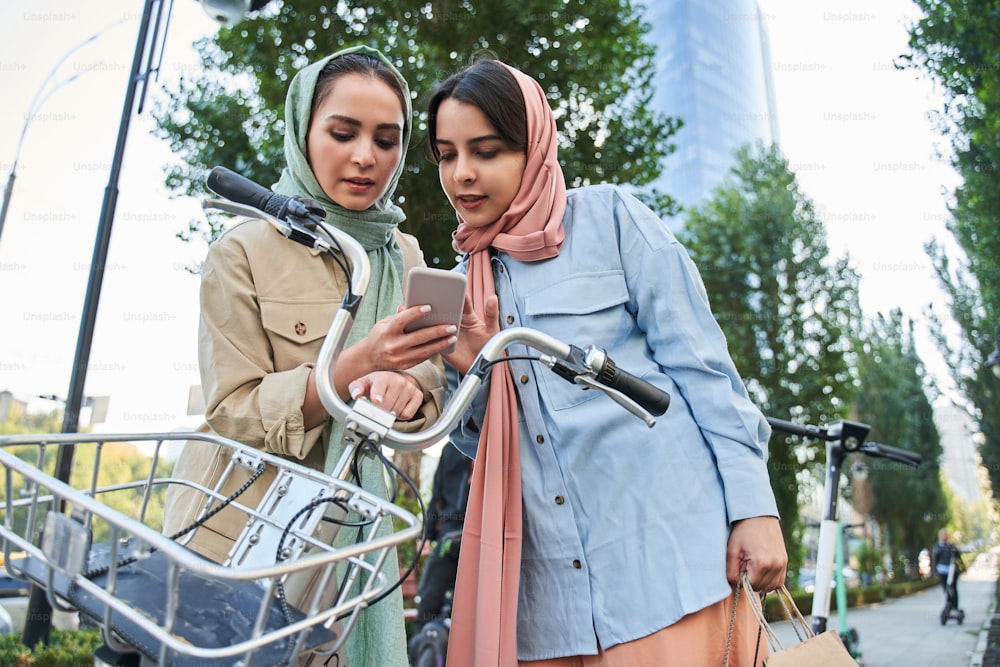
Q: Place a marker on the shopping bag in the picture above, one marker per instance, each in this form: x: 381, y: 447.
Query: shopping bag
x: 822, y: 650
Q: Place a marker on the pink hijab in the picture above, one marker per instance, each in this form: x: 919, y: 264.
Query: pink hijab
x: 484, y: 622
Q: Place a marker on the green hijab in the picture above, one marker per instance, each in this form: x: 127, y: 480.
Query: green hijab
x: 379, y: 638
x: 372, y: 228
x: 297, y: 178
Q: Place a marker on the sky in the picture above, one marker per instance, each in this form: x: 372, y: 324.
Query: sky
x: 862, y: 139
x: 856, y: 131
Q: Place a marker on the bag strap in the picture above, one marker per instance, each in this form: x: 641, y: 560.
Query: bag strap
x: 757, y: 608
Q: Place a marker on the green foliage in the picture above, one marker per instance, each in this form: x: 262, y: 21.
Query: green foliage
x: 44, y: 422
x: 972, y: 522
x: 65, y: 648
x: 955, y: 43
x: 119, y: 463
x: 869, y: 558
x: 787, y: 309
x: 590, y: 57
x: 893, y: 400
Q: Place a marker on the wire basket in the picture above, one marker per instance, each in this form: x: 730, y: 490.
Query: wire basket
x: 94, y: 544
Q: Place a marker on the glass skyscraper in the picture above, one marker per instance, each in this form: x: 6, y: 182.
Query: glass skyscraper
x: 713, y: 71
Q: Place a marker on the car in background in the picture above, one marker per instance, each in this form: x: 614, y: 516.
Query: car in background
x: 12, y: 587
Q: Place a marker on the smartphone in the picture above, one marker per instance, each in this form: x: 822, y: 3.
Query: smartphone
x: 443, y: 290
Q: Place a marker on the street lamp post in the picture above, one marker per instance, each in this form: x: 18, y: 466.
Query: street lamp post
x: 33, y: 108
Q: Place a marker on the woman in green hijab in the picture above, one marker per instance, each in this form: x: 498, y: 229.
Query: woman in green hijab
x: 267, y: 303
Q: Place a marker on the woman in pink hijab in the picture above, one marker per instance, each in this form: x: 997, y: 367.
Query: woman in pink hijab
x: 591, y: 540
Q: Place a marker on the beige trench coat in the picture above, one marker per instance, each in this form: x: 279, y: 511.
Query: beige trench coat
x: 266, y: 306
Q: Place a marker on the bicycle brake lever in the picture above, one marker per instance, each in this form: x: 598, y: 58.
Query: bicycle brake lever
x: 290, y: 228
x: 586, y: 367
x: 619, y: 398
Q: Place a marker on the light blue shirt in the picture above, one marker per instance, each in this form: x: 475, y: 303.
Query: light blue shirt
x: 625, y: 527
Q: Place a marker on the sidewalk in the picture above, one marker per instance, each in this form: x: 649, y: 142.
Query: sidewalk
x: 908, y: 631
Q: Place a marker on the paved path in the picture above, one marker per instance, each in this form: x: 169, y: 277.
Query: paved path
x: 908, y: 631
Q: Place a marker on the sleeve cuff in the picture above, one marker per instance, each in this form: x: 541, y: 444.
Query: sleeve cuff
x: 280, y: 397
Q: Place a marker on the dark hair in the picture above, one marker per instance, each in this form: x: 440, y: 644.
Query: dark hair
x: 361, y: 63
x: 492, y: 88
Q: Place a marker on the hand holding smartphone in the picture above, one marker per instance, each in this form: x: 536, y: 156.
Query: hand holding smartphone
x: 443, y: 290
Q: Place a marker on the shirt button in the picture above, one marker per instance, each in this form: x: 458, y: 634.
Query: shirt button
x: 577, y: 565
x: 560, y: 500
x: 540, y: 439
x: 500, y: 269
x: 524, y: 379
x: 510, y: 319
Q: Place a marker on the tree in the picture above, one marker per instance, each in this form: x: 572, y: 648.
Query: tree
x: 955, y: 43
x: 787, y: 310
x: 966, y: 354
x: 893, y: 399
x: 33, y: 422
x: 590, y: 57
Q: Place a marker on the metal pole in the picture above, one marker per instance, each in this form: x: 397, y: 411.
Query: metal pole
x: 36, y: 104
x: 7, y: 191
x: 38, y: 623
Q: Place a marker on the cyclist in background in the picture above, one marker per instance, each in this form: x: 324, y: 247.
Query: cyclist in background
x: 946, y: 562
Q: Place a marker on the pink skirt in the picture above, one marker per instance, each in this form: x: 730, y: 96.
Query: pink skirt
x: 697, y: 640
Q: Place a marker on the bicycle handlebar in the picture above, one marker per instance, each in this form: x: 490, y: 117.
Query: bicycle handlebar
x: 803, y: 430
x: 589, y: 367
x: 892, y: 453
x: 851, y: 436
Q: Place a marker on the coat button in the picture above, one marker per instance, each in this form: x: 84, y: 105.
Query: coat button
x: 300, y: 328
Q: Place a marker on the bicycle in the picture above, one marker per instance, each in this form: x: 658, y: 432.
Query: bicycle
x: 428, y: 647
x: 842, y: 438
x: 159, y: 603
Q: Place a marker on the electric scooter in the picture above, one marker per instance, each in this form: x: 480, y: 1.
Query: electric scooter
x: 951, y: 610
x: 842, y: 438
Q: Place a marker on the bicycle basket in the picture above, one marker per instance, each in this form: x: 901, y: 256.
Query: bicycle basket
x: 94, y: 544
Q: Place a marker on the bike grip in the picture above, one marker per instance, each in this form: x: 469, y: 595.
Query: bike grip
x: 237, y: 188
x: 901, y: 455
x: 649, y: 396
x: 242, y: 190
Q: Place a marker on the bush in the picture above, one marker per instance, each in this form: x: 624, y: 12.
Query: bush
x: 869, y: 558
x: 66, y: 648
x: 856, y: 597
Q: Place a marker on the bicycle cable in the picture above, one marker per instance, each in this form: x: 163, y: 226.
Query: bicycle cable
x: 128, y: 560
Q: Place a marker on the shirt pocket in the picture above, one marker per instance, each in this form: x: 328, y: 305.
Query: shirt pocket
x: 583, y: 309
x: 296, y: 329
